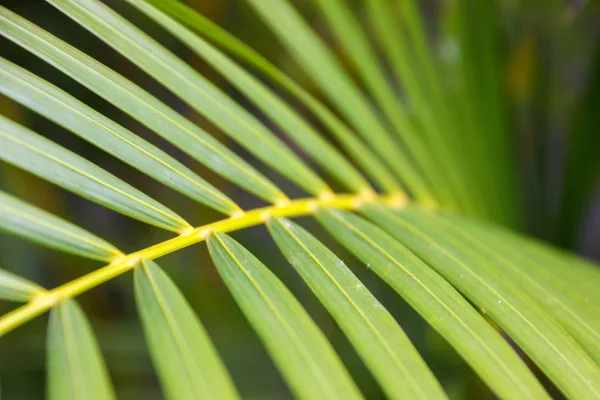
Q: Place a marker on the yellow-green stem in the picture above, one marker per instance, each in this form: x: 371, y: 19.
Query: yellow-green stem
x: 45, y: 300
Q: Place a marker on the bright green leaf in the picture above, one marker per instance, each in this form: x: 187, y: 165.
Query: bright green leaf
x: 92, y: 126
x: 75, y: 367
x: 290, y: 121
x: 22, y: 219
x: 488, y: 286
x: 362, y: 56
x: 438, y: 302
x: 316, y: 58
x: 371, y: 329
x: 294, y: 341
x: 138, y: 103
x: 199, y: 92
x: 38, y: 155
x: 15, y: 288
x: 563, y: 301
x: 361, y: 153
x: 186, y: 360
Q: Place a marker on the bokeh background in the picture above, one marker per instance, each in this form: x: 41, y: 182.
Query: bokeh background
x: 552, y: 77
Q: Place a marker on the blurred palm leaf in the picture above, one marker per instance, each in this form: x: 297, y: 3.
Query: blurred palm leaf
x: 423, y: 166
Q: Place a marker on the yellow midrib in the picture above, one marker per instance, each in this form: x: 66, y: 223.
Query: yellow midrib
x: 47, y: 299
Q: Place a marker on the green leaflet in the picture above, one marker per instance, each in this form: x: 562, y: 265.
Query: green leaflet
x: 564, y: 302
x: 187, y: 362
x: 314, y: 56
x: 298, y: 347
x: 75, y: 367
x: 36, y: 154
x: 92, y: 126
x: 137, y: 103
x: 22, y: 219
x: 371, y: 329
x: 477, y: 102
x: 368, y: 161
x: 575, y: 272
x: 200, y: 93
x: 438, y: 302
x: 532, y: 328
x: 290, y: 122
x: 362, y: 56
x: 429, y: 108
x: 15, y: 288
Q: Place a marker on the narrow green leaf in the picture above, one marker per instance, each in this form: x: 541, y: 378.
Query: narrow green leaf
x: 15, y: 288
x: 38, y: 155
x: 371, y: 329
x: 473, y: 273
x: 75, y: 366
x: 361, y: 53
x: 62, y: 108
x: 196, y: 90
x: 439, y: 303
x: 290, y: 122
x: 187, y: 362
x: 575, y: 272
x: 428, y: 108
x: 138, y: 103
x: 300, y: 350
x: 22, y: 219
x: 563, y: 301
x: 309, y: 50
x: 368, y: 161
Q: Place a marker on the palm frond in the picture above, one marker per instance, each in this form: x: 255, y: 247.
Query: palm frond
x: 423, y: 165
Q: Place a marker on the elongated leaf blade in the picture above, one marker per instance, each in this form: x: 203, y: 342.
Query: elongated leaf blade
x: 575, y: 272
x: 199, y: 92
x: 438, y: 302
x: 532, y: 328
x: 295, y: 343
x: 138, y: 103
x: 314, y: 56
x: 358, y: 150
x: 186, y: 360
x: 92, y: 126
x: 22, y: 219
x: 291, y: 123
x: 36, y: 154
x: 15, y: 288
x: 75, y: 366
x: 371, y: 329
x: 564, y: 302
x: 362, y: 56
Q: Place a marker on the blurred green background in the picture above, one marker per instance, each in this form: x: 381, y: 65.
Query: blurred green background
x: 552, y: 76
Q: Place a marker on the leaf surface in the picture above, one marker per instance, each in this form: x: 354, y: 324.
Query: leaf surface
x: 62, y: 108
x: 298, y: 347
x: 371, y: 329
x: 355, y: 147
x: 28, y: 150
x: 438, y: 302
x: 22, y: 219
x: 565, y: 302
x: 196, y: 90
x: 486, y: 285
x: 187, y: 362
x: 138, y: 103
x: 288, y: 120
x: 75, y: 369
x: 309, y: 50
x: 15, y: 288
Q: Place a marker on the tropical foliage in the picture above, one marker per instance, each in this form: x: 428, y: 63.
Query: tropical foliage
x: 406, y: 158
